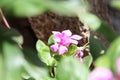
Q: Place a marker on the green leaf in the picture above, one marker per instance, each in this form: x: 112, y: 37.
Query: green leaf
x: 114, y: 49
x: 34, y: 69
x: 103, y: 61
x: 116, y: 4
x: 31, y: 56
x: 51, y: 40
x: 113, y: 52
x: 91, y: 20
x: 87, y: 60
x: 35, y: 7
x: 71, y: 69
x: 26, y: 76
x: 38, y: 73
x: 29, y: 7
x: 96, y: 47
x: 72, y: 49
x: 6, y: 3
x: 44, y: 53
x: 58, y: 57
x: 13, y: 61
x: 109, y: 59
x: 11, y: 34
x: 107, y: 31
x: 1, y: 66
x: 67, y: 7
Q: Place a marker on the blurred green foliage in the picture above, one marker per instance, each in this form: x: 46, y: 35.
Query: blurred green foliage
x: 110, y: 57
x: 116, y: 4
x: 96, y: 47
x: 87, y: 60
x: 13, y: 61
x: 35, y: 7
x: 95, y: 24
x: 71, y: 69
x: 22, y: 64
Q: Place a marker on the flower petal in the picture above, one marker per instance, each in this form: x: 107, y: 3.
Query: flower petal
x: 62, y: 50
x: 67, y: 32
x: 56, y: 36
x: 118, y: 64
x: 74, y: 41
x: 54, y: 47
x: 55, y: 32
x: 79, y: 54
x: 101, y: 74
x: 80, y: 51
x: 76, y: 37
x: 66, y: 41
x: 80, y: 59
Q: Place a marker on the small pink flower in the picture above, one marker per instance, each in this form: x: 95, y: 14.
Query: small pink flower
x: 101, y: 74
x: 63, y: 40
x: 79, y: 54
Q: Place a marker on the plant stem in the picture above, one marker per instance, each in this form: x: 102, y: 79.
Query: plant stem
x: 4, y: 19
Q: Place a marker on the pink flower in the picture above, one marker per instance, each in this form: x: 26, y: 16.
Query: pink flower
x: 118, y: 64
x: 63, y: 40
x: 79, y: 54
x: 101, y: 74
x: 118, y: 68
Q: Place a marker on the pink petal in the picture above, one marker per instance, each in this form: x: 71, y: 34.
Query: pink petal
x: 76, y: 37
x: 118, y: 68
x: 55, y: 32
x: 74, y: 41
x: 62, y: 50
x: 118, y: 64
x: 67, y: 32
x: 80, y: 59
x: 118, y: 76
x: 56, y: 36
x: 66, y: 41
x: 79, y: 54
x: 54, y: 47
x: 101, y: 74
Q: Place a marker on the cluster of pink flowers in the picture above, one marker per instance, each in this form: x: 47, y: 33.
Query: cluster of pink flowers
x: 63, y: 40
x: 104, y: 73
x: 79, y: 54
